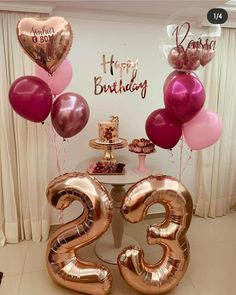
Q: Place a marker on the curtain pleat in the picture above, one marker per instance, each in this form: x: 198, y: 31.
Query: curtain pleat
x: 216, y: 169
x: 24, y: 213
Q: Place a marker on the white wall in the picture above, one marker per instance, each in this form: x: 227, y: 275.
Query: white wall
x: 124, y: 40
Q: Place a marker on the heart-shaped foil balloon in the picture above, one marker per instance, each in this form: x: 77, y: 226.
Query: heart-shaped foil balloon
x: 176, y: 57
x: 208, y: 54
x: 192, y: 58
x: 46, y: 41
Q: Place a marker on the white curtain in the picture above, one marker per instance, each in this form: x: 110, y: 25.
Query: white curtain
x: 216, y: 172
x: 24, y: 213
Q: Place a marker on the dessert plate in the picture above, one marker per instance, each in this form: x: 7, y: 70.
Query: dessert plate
x: 92, y: 166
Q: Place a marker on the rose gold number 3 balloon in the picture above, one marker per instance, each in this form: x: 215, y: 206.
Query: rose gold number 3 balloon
x: 64, y: 266
x: 170, y: 234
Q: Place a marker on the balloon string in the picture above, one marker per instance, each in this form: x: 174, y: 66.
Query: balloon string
x: 52, y: 139
x: 181, y: 158
x: 51, y: 134
x: 171, y: 158
x: 188, y: 160
x: 65, y: 151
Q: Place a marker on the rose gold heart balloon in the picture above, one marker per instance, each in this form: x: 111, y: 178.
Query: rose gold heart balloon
x: 46, y: 41
x: 192, y: 58
x: 176, y: 57
x: 207, y: 56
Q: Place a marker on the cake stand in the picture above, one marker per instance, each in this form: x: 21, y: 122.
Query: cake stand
x: 108, y: 148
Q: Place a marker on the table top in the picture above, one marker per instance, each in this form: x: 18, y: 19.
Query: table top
x: 130, y: 176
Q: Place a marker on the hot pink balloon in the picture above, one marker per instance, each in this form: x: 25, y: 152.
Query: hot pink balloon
x: 175, y: 74
x: 184, y: 97
x: 31, y: 98
x: 59, y: 80
x: 203, y: 130
x: 70, y: 114
x: 162, y: 130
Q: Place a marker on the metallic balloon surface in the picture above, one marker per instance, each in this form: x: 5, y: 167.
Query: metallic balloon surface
x: 176, y: 57
x: 31, y: 98
x: 70, y: 114
x: 64, y: 264
x: 207, y: 55
x: 175, y: 74
x: 162, y: 129
x: 164, y: 275
x: 47, y: 41
x: 191, y: 58
x: 184, y: 97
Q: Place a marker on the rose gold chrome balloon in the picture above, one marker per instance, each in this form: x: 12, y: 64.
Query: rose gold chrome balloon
x: 176, y: 57
x: 207, y: 56
x: 63, y: 262
x: 47, y: 41
x: 164, y: 275
x: 70, y: 114
x: 192, y: 58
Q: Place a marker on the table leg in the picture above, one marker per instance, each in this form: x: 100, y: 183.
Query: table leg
x: 117, y: 194
x: 109, y: 246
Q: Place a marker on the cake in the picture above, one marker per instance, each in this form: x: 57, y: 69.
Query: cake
x: 141, y: 146
x: 108, y: 132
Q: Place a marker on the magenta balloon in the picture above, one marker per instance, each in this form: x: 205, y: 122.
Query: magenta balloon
x: 70, y: 114
x: 162, y: 130
x: 175, y: 74
x: 203, y: 130
x: 31, y: 98
x: 59, y: 80
x: 184, y: 96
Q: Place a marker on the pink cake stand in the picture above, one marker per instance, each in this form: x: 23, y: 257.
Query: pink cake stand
x: 142, y: 169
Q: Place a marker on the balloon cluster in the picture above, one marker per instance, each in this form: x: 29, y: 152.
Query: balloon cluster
x: 184, y: 98
x: 66, y: 265
x: 47, y: 42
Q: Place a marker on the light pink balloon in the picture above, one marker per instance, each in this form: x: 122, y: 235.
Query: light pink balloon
x: 60, y: 78
x: 203, y: 130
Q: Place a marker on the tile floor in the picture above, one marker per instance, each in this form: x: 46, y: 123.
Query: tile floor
x: 212, y: 269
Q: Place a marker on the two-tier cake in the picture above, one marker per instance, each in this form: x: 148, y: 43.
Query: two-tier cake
x: 108, y: 132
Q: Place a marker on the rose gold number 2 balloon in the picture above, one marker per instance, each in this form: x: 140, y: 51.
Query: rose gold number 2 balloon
x: 63, y: 264
x: 170, y: 234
